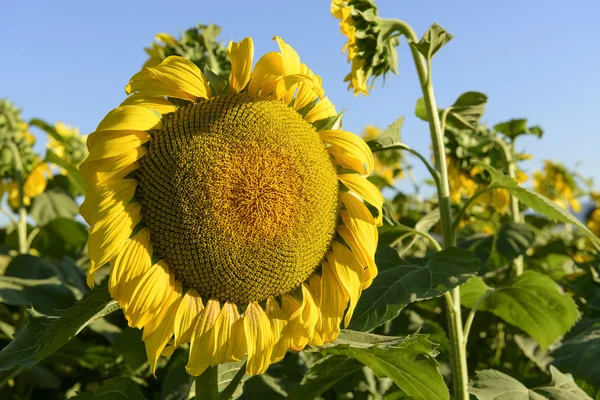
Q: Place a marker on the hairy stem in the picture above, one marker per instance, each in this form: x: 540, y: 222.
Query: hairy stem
x: 458, y: 354
x: 207, y: 385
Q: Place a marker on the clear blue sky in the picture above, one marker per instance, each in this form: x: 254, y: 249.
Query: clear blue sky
x: 70, y: 60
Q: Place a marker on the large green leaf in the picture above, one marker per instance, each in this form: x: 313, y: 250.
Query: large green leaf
x: 56, y: 331
x: 323, y: 375
x: 113, y: 389
x: 389, y: 137
x: 532, y: 302
x: 490, y: 384
x: 46, y: 295
x: 467, y: 110
x: 51, y: 205
x: 177, y: 382
x: 60, y: 237
x: 395, y: 288
x: 536, y: 201
x: 580, y: 354
x: 411, y: 365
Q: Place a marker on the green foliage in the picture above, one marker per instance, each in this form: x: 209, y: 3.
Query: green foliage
x: 432, y: 41
x: 495, y: 385
x: 396, y: 287
x: 51, y: 205
x: 532, y: 302
x: 114, y: 389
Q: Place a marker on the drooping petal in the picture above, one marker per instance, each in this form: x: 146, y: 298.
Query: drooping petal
x: 99, y: 199
x: 302, y: 319
x: 102, y: 172
x: 306, y: 93
x: 126, y: 118
x: 356, y: 208
x: 202, y: 345
x: 267, y: 71
x: 290, y: 59
x: 314, y: 286
x: 365, y: 189
x: 129, y: 267
x: 189, y: 310
x: 332, y: 309
x: 230, y: 344
x: 278, y: 322
x: 259, y: 339
x: 349, y: 150
x: 241, y: 55
x: 108, y: 236
x: 150, y: 294
x: 362, y: 238
x: 349, y: 273
x: 175, y: 77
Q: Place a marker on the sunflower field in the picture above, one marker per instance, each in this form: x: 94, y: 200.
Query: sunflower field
x: 219, y: 235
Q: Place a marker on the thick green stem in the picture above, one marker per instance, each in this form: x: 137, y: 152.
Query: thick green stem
x: 20, y: 175
x: 207, y: 384
x: 459, y: 358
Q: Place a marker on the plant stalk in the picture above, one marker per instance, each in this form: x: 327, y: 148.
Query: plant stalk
x: 207, y: 384
x: 455, y: 326
x: 20, y: 175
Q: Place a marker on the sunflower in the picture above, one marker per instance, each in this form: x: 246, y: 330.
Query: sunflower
x: 34, y: 185
x: 228, y: 220
x: 387, y: 164
x: 71, y: 146
x: 558, y: 184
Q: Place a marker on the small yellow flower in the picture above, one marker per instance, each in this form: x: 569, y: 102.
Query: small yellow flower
x: 557, y: 184
x: 35, y: 184
x: 71, y: 146
x: 156, y: 51
x: 593, y: 222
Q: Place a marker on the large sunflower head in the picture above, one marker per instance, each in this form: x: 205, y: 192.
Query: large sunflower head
x: 230, y: 218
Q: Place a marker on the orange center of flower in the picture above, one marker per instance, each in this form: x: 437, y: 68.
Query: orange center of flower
x: 240, y: 196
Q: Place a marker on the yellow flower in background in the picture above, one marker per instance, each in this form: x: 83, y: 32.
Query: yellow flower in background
x: 223, y: 217
x: 34, y: 185
x: 557, y: 184
x: 156, y: 51
x: 387, y: 163
x: 593, y: 222
x: 71, y: 146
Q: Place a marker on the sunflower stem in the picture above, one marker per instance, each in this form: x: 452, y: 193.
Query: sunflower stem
x: 20, y: 175
x: 455, y: 325
x: 207, y: 384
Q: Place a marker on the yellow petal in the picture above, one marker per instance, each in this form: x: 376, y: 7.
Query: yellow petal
x: 202, y: 345
x: 332, y: 310
x: 230, y: 344
x: 129, y: 267
x: 241, y: 55
x: 190, y: 308
x: 278, y: 322
x: 104, y: 172
x: 156, y: 340
x: 108, y: 236
x: 302, y: 318
x: 158, y: 104
x: 114, y: 143
x: 356, y: 208
x: 267, y: 71
x: 259, y: 339
x: 149, y: 295
x: 175, y: 77
x: 127, y: 118
x: 314, y: 286
x: 365, y: 189
x: 305, y: 92
x: 323, y: 109
x: 99, y: 199
x: 349, y: 150
x: 349, y: 274
x: 362, y: 238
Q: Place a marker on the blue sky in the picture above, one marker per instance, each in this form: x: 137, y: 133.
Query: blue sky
x: 70, y: 60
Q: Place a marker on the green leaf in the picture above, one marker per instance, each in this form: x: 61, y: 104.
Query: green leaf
x: 327, y: 123
x: 72, y: 171
x: 46, y: 295
x: 362, y: 340
x: 513, y: 128
x: 57, y: 331
x: 421, y: 110
x: 389, y: 137
x: 411, y: 365
x: 20, y: 351
x: 580, y: 354
x: 323, y: 375
x: 514, y: 239
x: 432, y: 41
x: 227, y: 375
x: 113, y: 389
x: 177, y: 382
x: 536, y: 201
x: 490, y: 384
x: 467, y: 110
x: 532, y: 302
x: 53, y: 204
x: 60, y: 237
x: 395, y: 288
